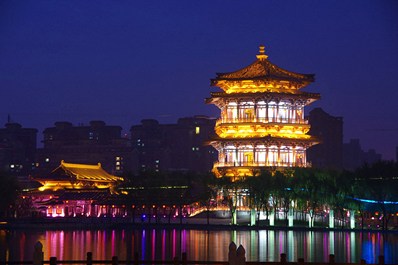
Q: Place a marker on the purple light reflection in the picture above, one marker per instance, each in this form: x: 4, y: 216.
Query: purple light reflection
x: 153, y: 244
x: 143, y: 243
x: 164, y: 244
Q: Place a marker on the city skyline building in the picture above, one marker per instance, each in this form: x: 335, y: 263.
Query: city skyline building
x: 173, y: 147
x: 262, y: 121
x: 89, y: 144
x: 18, y: 147
x: 328, y: 154
x: 354, y: 156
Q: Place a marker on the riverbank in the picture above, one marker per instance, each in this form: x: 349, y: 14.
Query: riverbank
x: 86, y: 223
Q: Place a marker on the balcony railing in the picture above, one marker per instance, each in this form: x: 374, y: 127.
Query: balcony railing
x: 261, y: 164
x: 261, y: 120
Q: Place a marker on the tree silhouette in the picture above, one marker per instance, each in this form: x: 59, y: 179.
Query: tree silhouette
x: 9, y: 191
x: 379, y: 182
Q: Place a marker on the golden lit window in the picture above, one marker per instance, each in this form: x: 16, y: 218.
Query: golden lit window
x: 197, y: 129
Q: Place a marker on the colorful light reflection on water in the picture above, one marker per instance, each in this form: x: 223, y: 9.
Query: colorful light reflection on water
x: 162, y: 244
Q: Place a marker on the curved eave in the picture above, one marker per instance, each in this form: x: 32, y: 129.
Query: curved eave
x: 276, y: 94
x: 267, y: 79
x: 263, y: 69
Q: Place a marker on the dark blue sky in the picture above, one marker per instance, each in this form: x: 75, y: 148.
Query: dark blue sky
x: 122, y: 61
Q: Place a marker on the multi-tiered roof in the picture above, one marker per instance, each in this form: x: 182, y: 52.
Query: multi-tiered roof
x: 78, y: 176
x: 263, y: 77
x: 259, y: 85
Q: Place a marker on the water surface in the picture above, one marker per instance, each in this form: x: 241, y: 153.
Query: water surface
x: 262, y: 245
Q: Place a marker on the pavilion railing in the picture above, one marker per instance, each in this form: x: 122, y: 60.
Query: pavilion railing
x: 261, y: 164
x: 270, y: 120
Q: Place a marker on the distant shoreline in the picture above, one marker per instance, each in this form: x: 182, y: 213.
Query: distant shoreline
x: 188, y: 223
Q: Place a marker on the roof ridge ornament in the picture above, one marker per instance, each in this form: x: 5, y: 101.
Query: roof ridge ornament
x: 261, y: 53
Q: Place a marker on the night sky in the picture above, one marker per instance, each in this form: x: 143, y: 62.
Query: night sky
x: 122, y: 61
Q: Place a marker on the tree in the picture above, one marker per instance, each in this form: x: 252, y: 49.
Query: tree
x: 206, y: 192
x: 9, y: 191
x: 231, y: 190
x: 379, y: 182
x: 340, y: 193
x: 259, y: 192
x: 282, y: 194
x: 311, y: 185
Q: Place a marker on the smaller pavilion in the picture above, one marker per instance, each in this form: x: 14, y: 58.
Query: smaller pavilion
x: 73, y: 190
x: 78, y: 176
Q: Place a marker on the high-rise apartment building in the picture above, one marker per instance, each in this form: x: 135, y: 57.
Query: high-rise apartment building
x: 85, y: 144
x: 329, y: 130
x: 17, y: 149
x: 173, y: 147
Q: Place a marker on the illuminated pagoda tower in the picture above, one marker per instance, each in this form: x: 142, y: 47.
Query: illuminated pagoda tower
x: 262, y: 123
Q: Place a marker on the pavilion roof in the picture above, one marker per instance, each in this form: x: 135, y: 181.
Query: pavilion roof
x: 262, y: 69
x: 82, y: 172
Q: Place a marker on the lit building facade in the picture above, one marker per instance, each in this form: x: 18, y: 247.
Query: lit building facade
x: 262, y: 121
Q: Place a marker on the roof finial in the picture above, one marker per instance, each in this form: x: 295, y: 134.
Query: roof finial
x: 262, y: 49
x: 261, y: 53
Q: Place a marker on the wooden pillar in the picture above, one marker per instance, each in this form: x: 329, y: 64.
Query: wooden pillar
x: 277, y: 112
x: 279, y: 155
x: 294, y: 162
x: 255, y: 112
